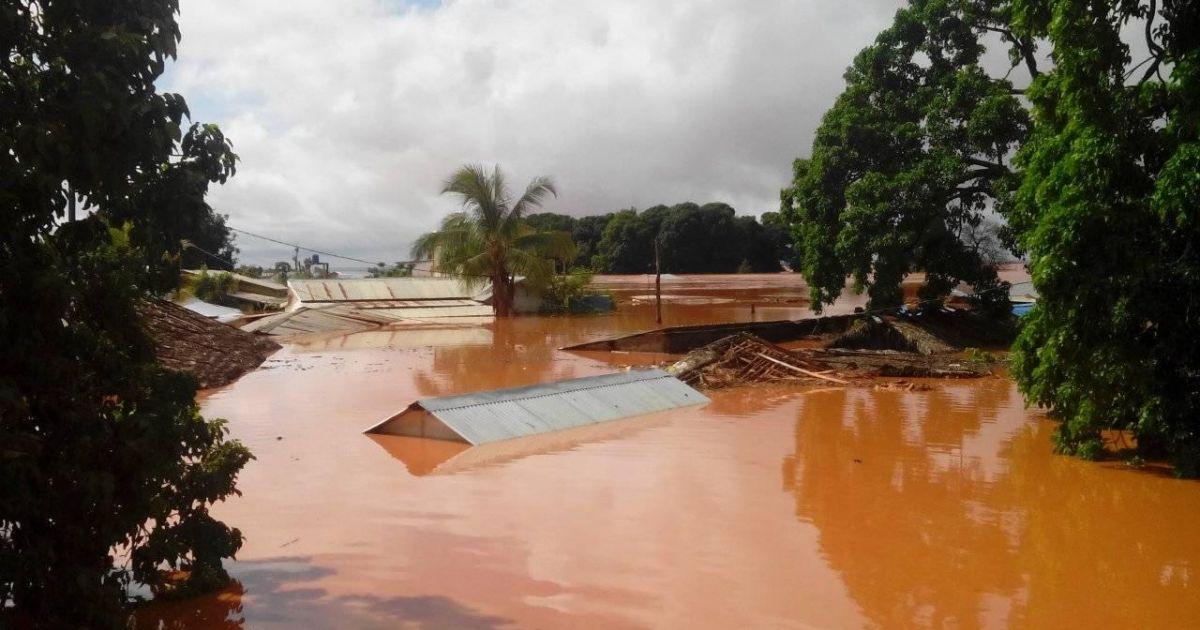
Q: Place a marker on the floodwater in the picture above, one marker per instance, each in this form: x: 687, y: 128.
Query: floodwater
x: 772, y: 506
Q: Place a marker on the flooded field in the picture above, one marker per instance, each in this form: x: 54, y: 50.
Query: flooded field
x: 772, y: 506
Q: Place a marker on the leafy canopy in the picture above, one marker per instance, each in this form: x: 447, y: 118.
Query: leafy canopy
x: 912, y: 156
x: 1107, y: 212
x: 490, y: 240
x: 1098, y: 181
x: 107, y: 469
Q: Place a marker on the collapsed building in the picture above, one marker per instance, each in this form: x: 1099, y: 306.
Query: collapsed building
x: 941, y: 344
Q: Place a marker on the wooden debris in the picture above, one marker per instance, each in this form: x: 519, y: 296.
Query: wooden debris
x: 744, y: 358
x: 892, y: 363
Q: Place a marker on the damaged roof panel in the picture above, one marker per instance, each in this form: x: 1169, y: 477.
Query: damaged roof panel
x: 374, y: 289
x: 485, y: 417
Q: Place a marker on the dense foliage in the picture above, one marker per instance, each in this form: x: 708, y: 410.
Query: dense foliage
x: 1108, y: 213
x: 1099, y: 181
x: 908, y: 161
x: 571, y: 293
x: 490, y: 240
x: 213, y: 286
x: 397, y: 270
x: 107, y: 469
x: 691, y: 239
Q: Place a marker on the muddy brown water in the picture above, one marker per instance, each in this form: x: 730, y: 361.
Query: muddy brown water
x: 770, y: 507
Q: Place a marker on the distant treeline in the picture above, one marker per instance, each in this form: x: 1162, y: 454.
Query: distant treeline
x: 692, y: 238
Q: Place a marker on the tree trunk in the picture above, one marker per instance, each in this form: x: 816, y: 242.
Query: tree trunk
x: 500, y: 299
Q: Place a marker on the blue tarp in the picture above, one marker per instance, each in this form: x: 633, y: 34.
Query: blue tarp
x: 1021, y: 309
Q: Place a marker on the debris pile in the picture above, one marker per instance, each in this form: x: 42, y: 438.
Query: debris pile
x: 893, y: 363
x: 214, y: 353
x: 745, y: 358
x: 891, y: 333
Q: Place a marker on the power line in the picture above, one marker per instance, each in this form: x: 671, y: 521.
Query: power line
x: 191, y: 245
x: 297, y: 246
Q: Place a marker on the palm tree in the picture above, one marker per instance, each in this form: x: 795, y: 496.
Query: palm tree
x: 489, y: 240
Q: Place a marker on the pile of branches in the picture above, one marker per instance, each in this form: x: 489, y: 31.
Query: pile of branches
x: 744, y: 358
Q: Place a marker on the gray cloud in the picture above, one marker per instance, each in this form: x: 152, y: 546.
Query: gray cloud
x: 347, y: 115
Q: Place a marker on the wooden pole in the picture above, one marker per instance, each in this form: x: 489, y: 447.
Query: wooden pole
x: 657, y: 285
x: 804, y: 371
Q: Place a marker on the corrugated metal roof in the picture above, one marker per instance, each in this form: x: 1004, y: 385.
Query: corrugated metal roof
x: 307, y: 320
x: 478, y: 310
x: 503, y: 414
x: 441, y: 457
x: 214, y: 311
x: 421, y: 337
x: 366, y: 289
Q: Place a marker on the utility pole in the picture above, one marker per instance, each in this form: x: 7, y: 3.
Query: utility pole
x: 657, y: 285
x: 296, y: 258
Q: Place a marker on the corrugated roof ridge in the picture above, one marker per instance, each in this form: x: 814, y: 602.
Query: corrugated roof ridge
x: 548, y: 394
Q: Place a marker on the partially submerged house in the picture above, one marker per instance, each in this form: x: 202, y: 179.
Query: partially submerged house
x: 357, y: 304
x: 398, y: 298
x: 504, y: 414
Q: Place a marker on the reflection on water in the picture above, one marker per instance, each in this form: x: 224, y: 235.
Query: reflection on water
x: 946, y: 508
x: 279, y: 586
x: 427, y: 457
x: 769, y: 507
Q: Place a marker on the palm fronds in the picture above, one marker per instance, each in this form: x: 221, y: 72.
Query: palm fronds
x: 489, y: 240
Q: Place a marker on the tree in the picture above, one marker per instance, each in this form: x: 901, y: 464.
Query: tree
x: 627, y: 245
x: 760, y: 252
x: 398, y: 270
x: 587, y: 234
x: 551, y: 222
x: 778, y: 232
x: 490, y: 240
x: 101, y: 449
x: 691, y: 239
x: 171, y: 220
x: 914, y: 153
x: 700, y: 239
x: 1107, y: 213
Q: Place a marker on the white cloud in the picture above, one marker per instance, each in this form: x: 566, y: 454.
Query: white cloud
x: 347, y: 115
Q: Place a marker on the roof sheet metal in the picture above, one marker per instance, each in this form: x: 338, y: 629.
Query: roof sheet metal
x: 441, y: 457
x: 421, y: 337
x: 214, y: 311
x: 503, y: 414
x: 478, y: 310
x: 370, y: 289
x: 318, y: 320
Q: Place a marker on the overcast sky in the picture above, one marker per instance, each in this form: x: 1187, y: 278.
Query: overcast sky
x: 347, y: 115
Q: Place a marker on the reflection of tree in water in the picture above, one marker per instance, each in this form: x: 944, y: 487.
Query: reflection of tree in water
x: 1120, y: 544
x: 277, y: 594
x: 221, y: 611
x: 518, y: 355
x: 901, y: 510
x: 958, y: 514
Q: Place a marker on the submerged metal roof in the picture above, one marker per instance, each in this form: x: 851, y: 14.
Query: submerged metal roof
x: 374, y: 289
x: 503, y: 414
